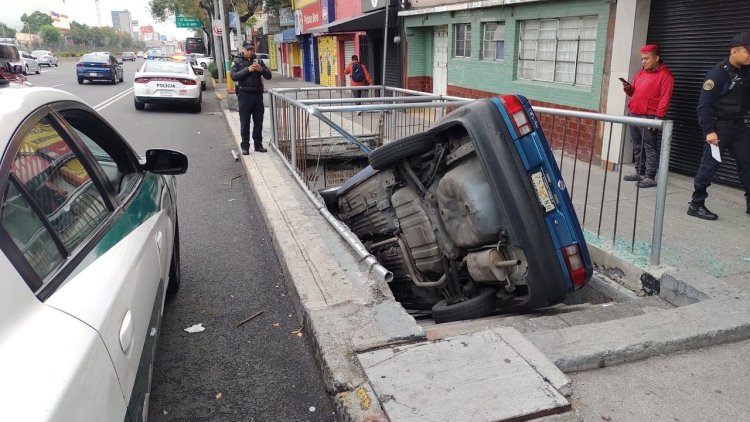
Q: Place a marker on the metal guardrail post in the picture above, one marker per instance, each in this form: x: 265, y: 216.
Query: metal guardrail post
x: 293, y: 137
x: 392, y: 126
x: 661, y: 192
x: 274, y: 127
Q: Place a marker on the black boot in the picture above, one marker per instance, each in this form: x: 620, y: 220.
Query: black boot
x: 701, y: 212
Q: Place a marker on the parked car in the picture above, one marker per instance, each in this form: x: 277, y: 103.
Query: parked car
x: 471, y: 216
x: 128, y: 56
x: 89, y: 249
x: 202, y: 59
x: 29, y: 63
x: 189, y: 58
x: 140, y: 54
x: 11, y: 66
x: 45, y: 57
x: 264, y: 58
x: 99, y: 67
x: 162, y: 81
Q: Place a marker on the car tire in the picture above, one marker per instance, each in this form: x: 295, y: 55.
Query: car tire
x: 139, y: 106
x: 55, y: 64
x: 80, y: 80
x: 203, y: 86
x: 122, y: 77
x: 114, y: 79
x: 38, y: 70
x: 391, y: 153
x: 175, y: 273
x: 26, y: 70
x: 199, y: 105
x: 204, y: 65
x: 478, y: 306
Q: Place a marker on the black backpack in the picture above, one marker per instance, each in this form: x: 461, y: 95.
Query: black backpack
x: 358, y: 74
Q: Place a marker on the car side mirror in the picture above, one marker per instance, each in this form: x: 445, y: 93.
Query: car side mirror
x: 165, y: 161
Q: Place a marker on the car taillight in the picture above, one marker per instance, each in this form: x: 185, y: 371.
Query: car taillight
x: 188, y: 82
x: 576, y: 266
x: 518, y: 116
x: 79, y: 65
x: 141, y: 80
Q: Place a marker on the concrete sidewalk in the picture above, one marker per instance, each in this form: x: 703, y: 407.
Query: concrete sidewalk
x: 355, y: 324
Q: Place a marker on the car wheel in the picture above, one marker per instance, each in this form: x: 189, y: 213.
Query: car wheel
x: 174, y: 268
x: 138, y: 106
x: 204, y: 65
x: 80, y: 80
x: 26, y: 70
x: 197, y: 106
x: 203, y: 86
x: 114, y: 79
x: 476, y: 307
x: 38, y: 70
x: 55, y: 64
x: 389, y: 154
x: 122, y: 77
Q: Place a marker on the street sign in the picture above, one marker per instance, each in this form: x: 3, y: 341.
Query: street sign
x: 218, y: 28
x: 182, y: 21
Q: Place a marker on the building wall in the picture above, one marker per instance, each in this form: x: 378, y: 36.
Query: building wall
x: 347, y: 8
x: 500, y: 77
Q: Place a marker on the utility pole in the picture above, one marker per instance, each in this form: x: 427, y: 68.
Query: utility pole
x: 225, y: 44
x: 218, y: 45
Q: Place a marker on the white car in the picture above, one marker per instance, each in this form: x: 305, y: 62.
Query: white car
x: 45, y: 57
x: 264, y: 58
x: 198, y: 69
x: 167, y: 82
x: 29, y: 63
x: 88, y: 253
x: 202, y: 59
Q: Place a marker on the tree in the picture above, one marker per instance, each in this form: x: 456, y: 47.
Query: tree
x: 6, y: 31
x: 33, y: 23
x: 50, y: 35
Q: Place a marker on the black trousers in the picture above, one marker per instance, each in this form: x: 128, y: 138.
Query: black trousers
x: 735, y: 136
x: 645, y: 150
x: 251, y: 105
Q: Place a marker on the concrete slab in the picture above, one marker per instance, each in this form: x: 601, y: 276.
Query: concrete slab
x: 475, y: 377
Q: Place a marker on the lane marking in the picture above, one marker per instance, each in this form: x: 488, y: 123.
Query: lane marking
x: 55, y: 86
x: 109, y: 101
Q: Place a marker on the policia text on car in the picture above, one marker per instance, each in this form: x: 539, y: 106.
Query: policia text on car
x: 246, y: 71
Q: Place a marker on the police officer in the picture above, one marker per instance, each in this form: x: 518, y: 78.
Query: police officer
x: 246, y: 71
x: 723, y: 102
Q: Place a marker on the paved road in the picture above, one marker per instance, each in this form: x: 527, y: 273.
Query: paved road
x: 261, y: 370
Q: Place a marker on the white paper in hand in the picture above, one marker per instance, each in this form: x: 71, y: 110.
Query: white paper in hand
x: 715, y: 152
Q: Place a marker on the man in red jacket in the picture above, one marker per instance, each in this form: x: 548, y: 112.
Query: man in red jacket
x: 650, y: 94
x: 359, y: 76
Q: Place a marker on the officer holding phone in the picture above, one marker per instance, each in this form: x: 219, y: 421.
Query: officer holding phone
x: 650, y: 94
x: 247, y: 71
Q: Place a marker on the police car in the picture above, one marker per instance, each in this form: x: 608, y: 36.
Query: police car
x: 163, y: 81
x: 89, y: 249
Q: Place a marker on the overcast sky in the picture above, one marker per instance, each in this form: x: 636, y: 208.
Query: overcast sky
x: 84, y: 11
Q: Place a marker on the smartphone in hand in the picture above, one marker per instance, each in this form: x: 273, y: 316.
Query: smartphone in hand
x: 624, y: 81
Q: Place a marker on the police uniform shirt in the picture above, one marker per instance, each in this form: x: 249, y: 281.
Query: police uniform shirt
x: 246, y: 80
x: 723, y: 95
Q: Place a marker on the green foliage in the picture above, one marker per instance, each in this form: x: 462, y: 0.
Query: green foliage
x: 50, y: 35
x: 214, y: 70
x: 6, y: 31
x: 34, y: 22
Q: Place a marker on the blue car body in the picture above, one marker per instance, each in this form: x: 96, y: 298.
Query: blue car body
x: 99, y: 67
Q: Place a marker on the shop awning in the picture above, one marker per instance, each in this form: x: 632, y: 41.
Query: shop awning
x: 372, y: 20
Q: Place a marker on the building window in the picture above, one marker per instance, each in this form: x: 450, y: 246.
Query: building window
x: 493, y: 41
x: 462, y: 40
x: 558, y: 50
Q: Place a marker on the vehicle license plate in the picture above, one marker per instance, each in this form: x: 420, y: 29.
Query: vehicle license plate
x: 183, y: 92
x: 165, y: 93
x: 93, y: 74
x: 542, y: 191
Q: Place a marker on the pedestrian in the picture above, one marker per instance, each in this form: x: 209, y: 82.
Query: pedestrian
x: 722, y: 104
x: 247, y: 71
x: 359, y: 76
x: 650, y: 94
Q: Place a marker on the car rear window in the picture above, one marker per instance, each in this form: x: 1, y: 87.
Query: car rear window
x: 97, y: 58
x: 166, y: 67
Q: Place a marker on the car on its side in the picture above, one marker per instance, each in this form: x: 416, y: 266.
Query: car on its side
x: 203, y: 60
x: 99, y: 67
x: 45, y: 57
x: 29, y: 63
x: 11, y: 65
x: 128, y: 56
x: 471, y: 216
x: 89, y: 250
x: 163, y: 81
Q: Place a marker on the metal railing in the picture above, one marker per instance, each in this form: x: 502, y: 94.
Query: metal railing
x: 315, y: 125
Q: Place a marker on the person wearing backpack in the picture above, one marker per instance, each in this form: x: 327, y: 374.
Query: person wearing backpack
x: 359, y: 77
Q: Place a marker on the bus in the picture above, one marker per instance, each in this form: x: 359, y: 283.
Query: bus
x: 195, y: 45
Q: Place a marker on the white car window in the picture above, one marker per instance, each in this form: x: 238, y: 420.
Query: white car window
x: 53, y: 179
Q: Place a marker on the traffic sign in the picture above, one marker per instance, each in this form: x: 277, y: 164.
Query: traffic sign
x: 182, y: 21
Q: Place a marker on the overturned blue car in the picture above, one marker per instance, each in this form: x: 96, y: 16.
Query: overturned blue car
x: 471, y: 217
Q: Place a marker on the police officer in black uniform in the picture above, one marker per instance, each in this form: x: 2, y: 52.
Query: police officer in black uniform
x: 723, y: 102
x: 246, y: 71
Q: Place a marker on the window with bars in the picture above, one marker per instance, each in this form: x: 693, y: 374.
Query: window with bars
x: 493, y: 41
x: 462, y: 40
x: 558, y: 50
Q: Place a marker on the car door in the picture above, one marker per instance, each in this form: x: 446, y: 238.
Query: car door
x: 116, y: 67
x: 113, y: 224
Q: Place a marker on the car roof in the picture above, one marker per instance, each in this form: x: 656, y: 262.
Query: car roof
x: 20, y: 101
